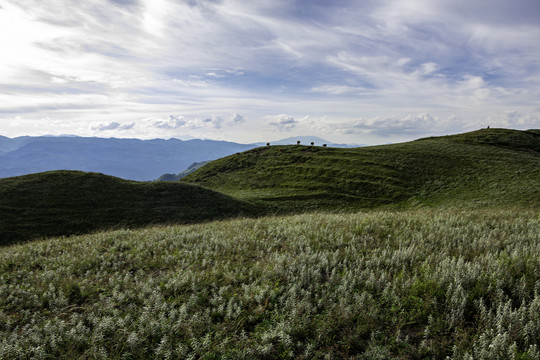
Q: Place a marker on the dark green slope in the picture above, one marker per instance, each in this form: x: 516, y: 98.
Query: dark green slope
x: 482, y: 168
x: 69, y: 202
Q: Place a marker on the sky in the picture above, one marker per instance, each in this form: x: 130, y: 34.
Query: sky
x: 361, y: 72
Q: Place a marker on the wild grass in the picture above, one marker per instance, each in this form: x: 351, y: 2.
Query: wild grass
x: 383, y: 284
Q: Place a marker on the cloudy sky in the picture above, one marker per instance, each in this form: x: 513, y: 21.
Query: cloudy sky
x: 364, y: 71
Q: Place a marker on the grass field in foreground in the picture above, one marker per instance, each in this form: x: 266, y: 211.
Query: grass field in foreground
x: 377, y: 285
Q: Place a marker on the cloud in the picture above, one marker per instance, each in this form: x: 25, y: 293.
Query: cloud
x: 57, y: 80
x: 338, y: 89
x: 362, y: 60
x: 284, y: 122
x: 415, y: 125
x: 114, y: 126
x: 429, y: 68
x: 237, y: 119
x: 513, y: 119
x: 213, y: 122
x: 172, y: 122
x: 124, y: 2
x: 216, y: 122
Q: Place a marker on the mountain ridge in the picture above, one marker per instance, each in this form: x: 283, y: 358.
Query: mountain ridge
x: 131, y: 159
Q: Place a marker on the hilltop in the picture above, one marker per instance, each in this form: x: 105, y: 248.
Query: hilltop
x: 305, y: 140
x: 71, y: 202
x: 481, y: 168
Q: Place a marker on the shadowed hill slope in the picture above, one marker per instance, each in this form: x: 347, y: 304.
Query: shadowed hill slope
x: 70, y: 202
x: 482, y: 168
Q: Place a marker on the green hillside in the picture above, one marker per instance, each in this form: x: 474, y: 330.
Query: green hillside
x: 71, y: 202
x: 494, y: 167
x: 489, y: 167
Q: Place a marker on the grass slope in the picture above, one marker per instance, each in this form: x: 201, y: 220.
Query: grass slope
x: 482, y: 168
x: 424, y: 284
x: 71, y: 202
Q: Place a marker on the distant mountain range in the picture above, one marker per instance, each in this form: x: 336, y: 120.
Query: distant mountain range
x: 131, y: 159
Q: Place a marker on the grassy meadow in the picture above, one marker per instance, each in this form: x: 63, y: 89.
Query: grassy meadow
x: 413, y: 284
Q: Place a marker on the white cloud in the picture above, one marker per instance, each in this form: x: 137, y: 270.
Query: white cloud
x: 473, y: 82
x: 237, y: 119
x: 514, y: 119
x: 113, y: 126
x: 283, y: 122
x: 57, y: 80
x: 429, y: 68
x: 156, y: 14
x: 172, y: 122
x: 214, y: 122
x: 338, y: 89
x: 395, y: 125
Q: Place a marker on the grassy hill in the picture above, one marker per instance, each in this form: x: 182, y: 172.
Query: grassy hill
x: 422, y: 284
x: 489, y: 167
x: 494, y: 167
x: 71, y: 202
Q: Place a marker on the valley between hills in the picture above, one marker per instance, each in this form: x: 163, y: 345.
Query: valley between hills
x: 424, y: 249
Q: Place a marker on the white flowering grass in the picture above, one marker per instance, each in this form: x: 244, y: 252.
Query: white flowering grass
x: 377, y: 285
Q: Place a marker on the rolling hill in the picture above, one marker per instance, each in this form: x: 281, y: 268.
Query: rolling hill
x: 482, y: 168
x: 485, y: 168
x: 71, y: 202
